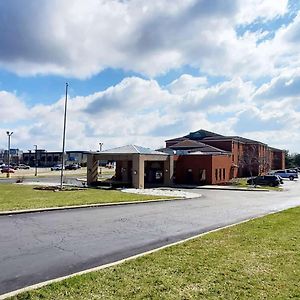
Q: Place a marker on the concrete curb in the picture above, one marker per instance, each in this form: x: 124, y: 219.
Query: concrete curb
x: 220, y: 188
x: 41, y: 284
x: 234, y: 189
x: 47, y: 209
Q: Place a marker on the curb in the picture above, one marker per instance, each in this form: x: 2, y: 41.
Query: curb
x: 234, y: 189
x: 47, y: 209
x: 44, y: 283
x: 220, y: 188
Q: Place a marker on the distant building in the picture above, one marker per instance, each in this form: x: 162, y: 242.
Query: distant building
x: 2, y: 155
x: 15, y: 156
x: 48, y: 159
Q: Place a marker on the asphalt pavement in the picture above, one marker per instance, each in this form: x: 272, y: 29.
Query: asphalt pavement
x: 40, y: 246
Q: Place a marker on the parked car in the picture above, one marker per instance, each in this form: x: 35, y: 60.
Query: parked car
x: 72, y: 167
x: 24, y: 167
x: 270, y: 180
x: 7, y: 170
x: 56, y: 168
x: 290, y: 174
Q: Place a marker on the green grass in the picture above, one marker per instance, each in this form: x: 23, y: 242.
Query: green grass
x: 16, y: 197
x: 259, y: 259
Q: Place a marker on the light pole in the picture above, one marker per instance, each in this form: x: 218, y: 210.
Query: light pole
x: 64, y: 139
x: 36, y: 162
x: 100, y: 148
x: 9, y: 134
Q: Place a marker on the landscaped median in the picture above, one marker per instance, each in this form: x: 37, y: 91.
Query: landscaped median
x: 254, y: 260
x: 20, y: 197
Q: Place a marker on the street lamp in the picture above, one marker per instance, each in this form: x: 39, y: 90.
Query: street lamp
x: 100, y: 148
x: 36, y: 162
x: 9, y: 134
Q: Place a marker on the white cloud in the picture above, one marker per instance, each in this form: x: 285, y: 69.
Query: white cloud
x: 252, y: 10
x: 140, y: 111
x: 81, y: 38
x: 12, y: 108
x: 186, y: 83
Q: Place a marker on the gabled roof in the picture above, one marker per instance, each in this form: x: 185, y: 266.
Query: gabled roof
x: 182, y: 138
x: 132, y: 149
x: 187, y: 144
x: 201, y: 134
x: 193, y: 146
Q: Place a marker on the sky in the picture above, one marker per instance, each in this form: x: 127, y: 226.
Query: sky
x: 140, y: 72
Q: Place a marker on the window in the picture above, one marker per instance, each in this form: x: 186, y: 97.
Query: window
x: 224, y: 174
x: 216, y: 174
x: 220, y: 174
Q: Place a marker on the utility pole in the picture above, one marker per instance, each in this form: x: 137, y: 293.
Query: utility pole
x: 9, y: 134
x: 64, y: 139
x: 36, y: 162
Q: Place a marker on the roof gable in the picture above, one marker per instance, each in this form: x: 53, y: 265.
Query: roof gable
x: 132, y: 149
x: 201, y: 134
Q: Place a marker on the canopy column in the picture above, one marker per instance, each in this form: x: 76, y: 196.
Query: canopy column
x: 92, y: 169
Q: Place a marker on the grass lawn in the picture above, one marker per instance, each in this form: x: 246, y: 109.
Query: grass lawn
x: 16, y: 197
x: 259, y: 259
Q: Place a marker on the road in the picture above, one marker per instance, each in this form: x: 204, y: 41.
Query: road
x: 41, y: 246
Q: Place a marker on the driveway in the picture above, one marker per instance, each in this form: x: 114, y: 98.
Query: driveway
x: 41, y: 246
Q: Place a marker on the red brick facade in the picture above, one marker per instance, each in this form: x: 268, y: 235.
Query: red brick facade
x: 202, y: 169
x: 244, y: 157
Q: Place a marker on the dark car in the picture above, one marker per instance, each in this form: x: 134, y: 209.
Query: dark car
x: 270, y: 180
x: 72, y: 167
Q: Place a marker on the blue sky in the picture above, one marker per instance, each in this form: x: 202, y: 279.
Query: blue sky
x: 149, y: 71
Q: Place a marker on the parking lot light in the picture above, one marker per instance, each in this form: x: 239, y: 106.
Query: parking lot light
x: 9, y: 134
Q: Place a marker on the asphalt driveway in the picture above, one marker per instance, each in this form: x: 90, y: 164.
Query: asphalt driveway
x: 41, y: 246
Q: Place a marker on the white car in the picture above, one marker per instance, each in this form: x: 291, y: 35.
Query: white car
x: 56, y: 168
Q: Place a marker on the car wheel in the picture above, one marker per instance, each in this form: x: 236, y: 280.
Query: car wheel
x: 291, y: 177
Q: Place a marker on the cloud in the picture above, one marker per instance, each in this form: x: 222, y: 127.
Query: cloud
x: 283, y: 86
x: 261, y: 9
x: 13, y: 109
x: 186, y: 83
x: 81, y: 38
x: 139, y: 111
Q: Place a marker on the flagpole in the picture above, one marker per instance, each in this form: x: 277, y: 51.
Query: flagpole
x: 64, y: 139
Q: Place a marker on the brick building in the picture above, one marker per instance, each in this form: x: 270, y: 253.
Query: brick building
x: 233, y: 156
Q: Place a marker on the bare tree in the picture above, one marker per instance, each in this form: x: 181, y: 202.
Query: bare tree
x: 253, y: 162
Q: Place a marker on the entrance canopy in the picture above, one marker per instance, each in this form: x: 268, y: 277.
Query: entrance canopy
x: 134, y: 165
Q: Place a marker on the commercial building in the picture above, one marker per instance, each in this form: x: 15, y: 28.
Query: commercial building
x: 201, y: 157
x: 44, y: 158
x: 248, y: 157
x: 15, y: 156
